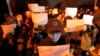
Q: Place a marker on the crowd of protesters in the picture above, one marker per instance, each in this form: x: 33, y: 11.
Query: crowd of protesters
x: 27, y: 35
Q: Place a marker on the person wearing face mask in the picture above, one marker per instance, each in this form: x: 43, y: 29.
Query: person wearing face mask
x: 55, y: 34
x: 12, y: 20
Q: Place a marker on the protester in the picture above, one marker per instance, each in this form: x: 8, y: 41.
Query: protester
x: 28, y: 20
x: 96, y: 20
x: 54, y: 28
x: 55, y: 34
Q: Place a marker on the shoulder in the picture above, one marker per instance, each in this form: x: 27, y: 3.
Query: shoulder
x: 61, y: 41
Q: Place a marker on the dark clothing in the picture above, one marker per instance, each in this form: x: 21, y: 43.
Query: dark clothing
x: 29, y: 52
x: 29, y: 24
x: 48, y: 42
x: 7, y: 49
x: 97, y: 38
x: 17, y: 32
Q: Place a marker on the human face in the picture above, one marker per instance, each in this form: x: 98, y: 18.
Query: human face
x: 54, y: 36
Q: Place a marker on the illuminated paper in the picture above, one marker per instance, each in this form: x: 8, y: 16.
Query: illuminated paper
x: 61, y: 50
x: 7, y: 29
x: 70, y: 12
x: 87, y: 19
x: 55, y: 11
x: 40, y: 18
x: 33, y: 7
x: 41, y: 8
x: 74, y: 23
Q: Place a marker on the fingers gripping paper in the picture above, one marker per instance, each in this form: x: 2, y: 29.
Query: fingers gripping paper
x: 61, y: 50
x: 40, y: 18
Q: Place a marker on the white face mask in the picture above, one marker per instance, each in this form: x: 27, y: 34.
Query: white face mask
x: 19, y: 22
x: 55, y: 37
x: 14, y: 25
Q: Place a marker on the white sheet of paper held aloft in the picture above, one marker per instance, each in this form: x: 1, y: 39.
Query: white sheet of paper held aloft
x: 70, y: 11
x: 7, y: 29
x: 41, y: 8
x: 88, y: 19
x: 40, y: 18
x: 33, y: 7
x: 60, y: 50
x: 74, y: 23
